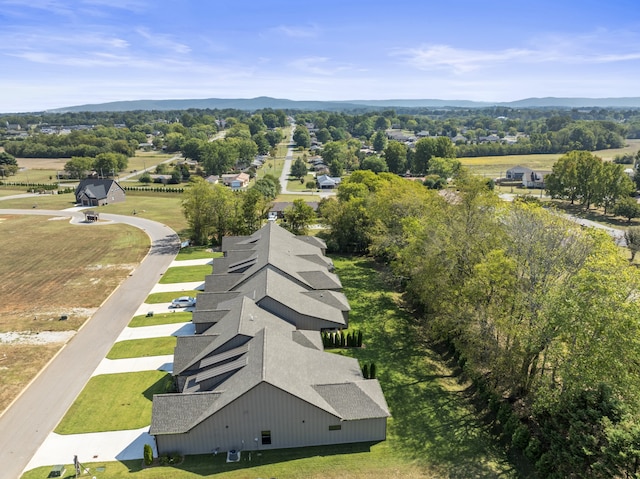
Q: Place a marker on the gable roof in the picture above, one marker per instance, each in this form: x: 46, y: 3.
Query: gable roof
x: 96, y: 188
x: 330, y: 382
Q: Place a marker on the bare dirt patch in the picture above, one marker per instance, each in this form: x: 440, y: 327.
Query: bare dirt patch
x: 42, y: 163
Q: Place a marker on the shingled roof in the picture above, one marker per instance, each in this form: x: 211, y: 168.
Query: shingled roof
x: 330, y: 382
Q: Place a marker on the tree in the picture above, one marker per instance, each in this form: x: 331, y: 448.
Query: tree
x: 197, y: 205
x: 627, y: 208
x: 79, y: 166
x: 379, y: 140
x: 148, y: 454
x: 445, y: 168
x: 563, y: 181
x: 632, y: 237
x: 299, y: 169
x: 374, y: 163
x: 427, y: 148
x: 395, y: 154
x: 612, y: 185
x: 301, y: 137
x: 107, y: 164
x: 8, y: 164
x: 298, y: 217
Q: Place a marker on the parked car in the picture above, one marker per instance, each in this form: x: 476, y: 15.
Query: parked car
x: 183, y: 302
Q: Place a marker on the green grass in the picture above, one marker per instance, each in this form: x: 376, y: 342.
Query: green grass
x: 184, y: 274
x: 162, y: 207
x: 196, y: 252
x: 142, y: 348
x: 293, y: 184
x: 155, y: 298
x: 292, y: 197
x: 161, y: 318
x: 47, y: 202
x: 112, y: 402
x: 354, y: 461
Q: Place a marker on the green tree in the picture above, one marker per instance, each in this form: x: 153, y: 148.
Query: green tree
x: 379, y: 141
x: 612, y: 185
x: 298, y: 217
x: 632, y: 238
x: 374, y: 163
x: 627, y: 208
x: 79, y: 166
x: 427, y: 148
x: 299, y: 169
x: 8, y: 164
x: 197, y: 205
x: 395, y: 154
x: 445, y: 168
x: 301, y: 137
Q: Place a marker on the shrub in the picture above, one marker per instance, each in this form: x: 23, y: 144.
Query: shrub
x: 520, y: 438
x: 148, y: 454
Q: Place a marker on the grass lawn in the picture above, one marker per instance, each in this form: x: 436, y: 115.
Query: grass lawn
x: 162, y: 207
x: 46, y: 202
x: 141, y: 348
x: 293, y: 184
x: 10, y: 191
x: 292, y: 197
x: 353, y: 461
x: 184, y: 274
x: 197, y: 252
x: 112, y: 402
x: 160, y: 318
x: 155, y: 298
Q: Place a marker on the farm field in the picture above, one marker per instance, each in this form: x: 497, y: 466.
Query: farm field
x: 48, y: 273
x: 496, y: 166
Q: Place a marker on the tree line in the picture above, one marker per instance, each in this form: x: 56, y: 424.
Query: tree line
x: 542, y: 315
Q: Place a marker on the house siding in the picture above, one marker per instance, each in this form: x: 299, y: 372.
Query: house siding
x: 292, y: 422
x: 300, y: 321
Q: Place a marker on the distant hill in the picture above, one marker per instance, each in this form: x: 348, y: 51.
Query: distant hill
x: 251, y: 104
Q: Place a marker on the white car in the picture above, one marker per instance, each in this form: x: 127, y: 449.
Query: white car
x: 183, y: 302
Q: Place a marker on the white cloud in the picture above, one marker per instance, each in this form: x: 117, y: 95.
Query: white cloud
x: 319, y: 66
x: 598, y: 47
x: 297, y: 31
x: 163, y: 41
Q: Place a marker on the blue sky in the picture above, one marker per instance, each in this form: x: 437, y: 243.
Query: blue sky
x: 56, y: 53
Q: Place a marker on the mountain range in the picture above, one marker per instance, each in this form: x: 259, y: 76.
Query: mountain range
x: 259, y: 103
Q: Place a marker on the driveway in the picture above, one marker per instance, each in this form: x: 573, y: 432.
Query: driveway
x: 36, y: 412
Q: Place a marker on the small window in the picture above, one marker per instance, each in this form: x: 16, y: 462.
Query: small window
x: 266, y: 437
x: 337, y: 427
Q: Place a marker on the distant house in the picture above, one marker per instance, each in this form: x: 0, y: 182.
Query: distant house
x: 236, y: 180
x: 98, y: 192
x: 534, y: 179
x: 326, y: 182
x: 517, y: 172
x: 213, y: 179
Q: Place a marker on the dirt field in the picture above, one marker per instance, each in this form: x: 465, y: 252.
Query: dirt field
x: 42, y: 163
x: 49, y: 269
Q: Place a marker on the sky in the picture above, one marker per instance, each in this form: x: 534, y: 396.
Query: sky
x: 58, y: 53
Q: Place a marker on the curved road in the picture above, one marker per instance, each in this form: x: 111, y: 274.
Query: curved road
x: 35, y: 413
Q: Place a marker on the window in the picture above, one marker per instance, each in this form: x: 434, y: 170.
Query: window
x: 337, y: 427
x: 266, y: 437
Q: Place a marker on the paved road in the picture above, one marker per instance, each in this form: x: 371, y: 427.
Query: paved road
x: 28, y: 421
x: 286, y: 170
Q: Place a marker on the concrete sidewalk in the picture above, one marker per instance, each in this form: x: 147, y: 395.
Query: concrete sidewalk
x: 135, y: 365
x: 191, y: 262
x: 159, y: 331
x: 92, y: 447
x: 178, y: 287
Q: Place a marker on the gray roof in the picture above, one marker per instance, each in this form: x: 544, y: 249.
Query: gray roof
x: 95, y: 188
x: 243, y: 317
x: 318, y: 378
x: 273, y: 246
